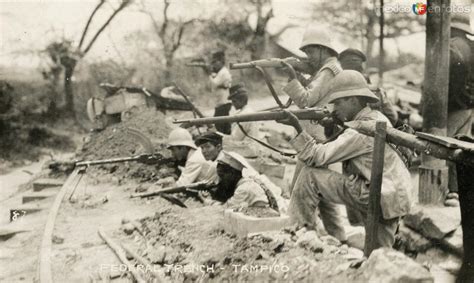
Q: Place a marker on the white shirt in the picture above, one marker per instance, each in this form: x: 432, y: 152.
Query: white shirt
x: 196, y: 169
x: 220, y: 84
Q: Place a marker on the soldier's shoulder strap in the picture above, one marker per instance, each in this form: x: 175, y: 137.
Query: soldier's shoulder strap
x: 272, y: 201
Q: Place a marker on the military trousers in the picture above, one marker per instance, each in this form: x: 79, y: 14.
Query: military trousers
x: 316, y: 185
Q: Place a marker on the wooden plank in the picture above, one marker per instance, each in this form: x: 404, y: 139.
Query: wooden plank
x: 374, y: 213
x: 7, y: 233
x: 121, y: 255
x: 143, y: 261
x: 37, y: 196
x: 40, y: 184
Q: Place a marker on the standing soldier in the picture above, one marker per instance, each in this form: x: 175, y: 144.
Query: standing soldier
x: 221, y: 80
x: 322, y: 57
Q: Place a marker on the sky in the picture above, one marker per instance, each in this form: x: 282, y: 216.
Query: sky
x: 27, y: 26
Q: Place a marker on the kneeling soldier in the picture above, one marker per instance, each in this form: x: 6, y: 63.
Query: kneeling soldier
x: 350, y: 94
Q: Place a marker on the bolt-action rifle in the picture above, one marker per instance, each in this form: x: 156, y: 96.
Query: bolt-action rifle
x: 315, y: 114
x: 150, y: 159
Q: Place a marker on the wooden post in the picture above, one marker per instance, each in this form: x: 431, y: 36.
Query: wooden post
x: 374, y: 213
x: 433, y: 184
x: 381, y: 48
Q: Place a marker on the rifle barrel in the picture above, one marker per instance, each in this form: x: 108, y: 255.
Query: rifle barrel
x: 107, y: 161
x: 264, y: 63
x: 273, y: 63
x: 195, y: 186
x: 302, y: 114
x: 196, y: 65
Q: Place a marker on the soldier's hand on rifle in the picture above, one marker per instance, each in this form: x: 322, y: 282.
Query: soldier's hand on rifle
x: 291, y: 120
x: 304, y: 81
x: 149, y: 159
x: 290, y: 70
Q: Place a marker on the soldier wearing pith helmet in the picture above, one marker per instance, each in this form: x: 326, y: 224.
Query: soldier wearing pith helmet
x: 318, y: 46
x: 194, y: 168
x: 350, y: 95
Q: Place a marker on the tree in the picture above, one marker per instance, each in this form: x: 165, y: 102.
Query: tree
x: 234, y: 27
x: 65, y: 56
x: 340, y: 14
x: 170, y: 34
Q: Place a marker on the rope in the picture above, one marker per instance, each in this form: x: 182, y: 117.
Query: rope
x: 288, y: 154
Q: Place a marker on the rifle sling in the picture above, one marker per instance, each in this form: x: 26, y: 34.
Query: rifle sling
x: 263, y: 143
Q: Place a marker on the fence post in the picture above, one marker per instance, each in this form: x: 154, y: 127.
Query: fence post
x: 375, y: 211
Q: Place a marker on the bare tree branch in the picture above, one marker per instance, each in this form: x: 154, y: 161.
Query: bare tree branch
x: 180, y: 32
x: 165, y: 19
x: 156, y: 27
x: 102, y: 28
x: 83, y: 36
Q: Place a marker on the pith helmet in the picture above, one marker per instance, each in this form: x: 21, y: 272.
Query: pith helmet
x: 350, y: 83
x: 180, y: 137
x: 317, y: 36
x: 461, y: 22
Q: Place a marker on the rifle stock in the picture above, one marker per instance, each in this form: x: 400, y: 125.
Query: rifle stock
x: 302, y: 114
x: 173, y: 190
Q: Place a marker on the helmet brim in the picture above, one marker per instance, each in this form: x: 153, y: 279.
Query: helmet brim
x: 363, y: 92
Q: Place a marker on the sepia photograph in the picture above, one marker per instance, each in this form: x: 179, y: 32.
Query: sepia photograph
x: 236, y: 141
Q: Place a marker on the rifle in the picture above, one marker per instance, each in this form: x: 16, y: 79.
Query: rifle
x: 198, y: 64
x: 302, y: 114
x: 300, y: 65
x: 200, y: 186
x: 150, y: 159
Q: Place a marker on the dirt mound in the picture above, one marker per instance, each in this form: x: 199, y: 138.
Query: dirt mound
x: 143, y: 133
x: 123, y: 139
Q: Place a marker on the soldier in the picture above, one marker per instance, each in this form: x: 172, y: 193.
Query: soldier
x: 194, y: 168
x: 461, y: 90
x: 353, y: 59
x: 241, y: 186
x: 322, y: 57
x: 221, y: 80
x: 350, y: 94
x: 211, y: 147
x: 239, y: 98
